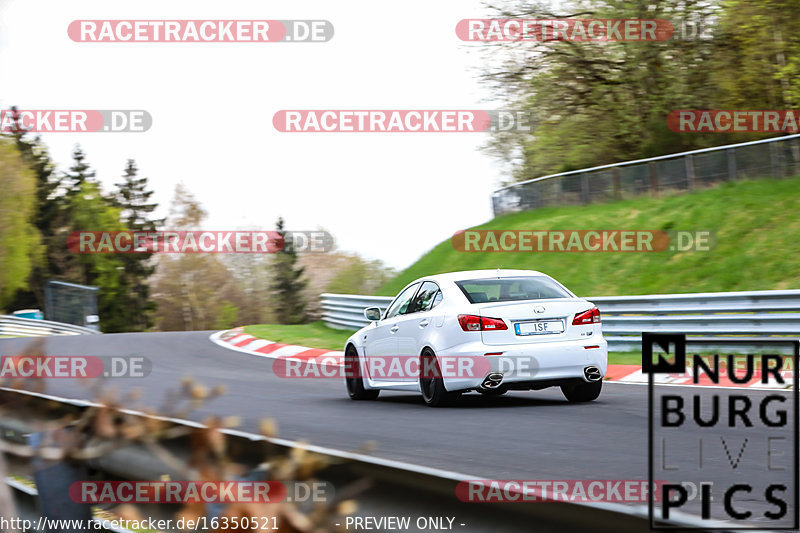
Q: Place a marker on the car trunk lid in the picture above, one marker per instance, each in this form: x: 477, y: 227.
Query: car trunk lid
x: 534, y: 321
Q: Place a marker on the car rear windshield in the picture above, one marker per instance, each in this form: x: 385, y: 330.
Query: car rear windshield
x: 511, y: 289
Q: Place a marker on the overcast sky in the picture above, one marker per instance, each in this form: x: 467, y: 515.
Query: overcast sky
x: 385, y: 196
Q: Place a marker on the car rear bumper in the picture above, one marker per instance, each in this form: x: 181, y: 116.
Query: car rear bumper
x: 532, y: 363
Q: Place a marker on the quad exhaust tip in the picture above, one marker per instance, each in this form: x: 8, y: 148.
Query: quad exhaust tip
x: 592, y: 373
x: 492, y: 381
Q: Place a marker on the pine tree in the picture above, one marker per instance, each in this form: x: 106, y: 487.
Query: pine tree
x: 78, y: 173
x: 133, y: 199
x: 287, y: 284
x: 64, y: 264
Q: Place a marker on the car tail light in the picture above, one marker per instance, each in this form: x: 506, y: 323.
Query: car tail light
x: 480, y: 323
x: 592, y: 316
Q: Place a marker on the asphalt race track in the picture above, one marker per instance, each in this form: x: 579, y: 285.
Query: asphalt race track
x: 523, y: 435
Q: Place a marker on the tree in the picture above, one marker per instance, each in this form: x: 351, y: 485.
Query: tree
x: 287, y: 284
x: 63, y: 263
x: 90, y: 211
x: 759, y: 54
x: 78, y: 173
x: 193, y: 291
x: 599, y: 102
x: 20, y: 242
x: 83, y: 207
x: 252, y: 275
x: 359, y: 276
x: 132, y: 198
x: 46, y: 208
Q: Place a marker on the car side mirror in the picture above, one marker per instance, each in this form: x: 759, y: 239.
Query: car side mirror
x: 372, y: 313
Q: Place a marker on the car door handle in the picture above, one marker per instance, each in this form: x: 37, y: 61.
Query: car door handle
x: 394, y: 329
x: 424, y: 323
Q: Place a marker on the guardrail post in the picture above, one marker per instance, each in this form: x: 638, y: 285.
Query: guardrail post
x: 617, y: 183
x: 774, y: 163
x: 496, y: 211
x: 731, y: 163
x: 653, y: 178
x: 689, y: 162
x: 585, y: 199
x: 560, y: 191
x: 795, y: 156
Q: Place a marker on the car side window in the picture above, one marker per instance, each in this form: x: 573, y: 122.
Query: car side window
x: 401, y: 303
x: 437, y: 299
x: 424, y: 300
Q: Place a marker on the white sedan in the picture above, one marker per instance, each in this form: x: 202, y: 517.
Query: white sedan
x: 488, y: 331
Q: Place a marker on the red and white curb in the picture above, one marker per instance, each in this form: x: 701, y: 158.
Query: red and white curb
x: 236, y: 339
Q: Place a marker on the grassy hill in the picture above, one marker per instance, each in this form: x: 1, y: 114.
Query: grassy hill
x: 756, y: 225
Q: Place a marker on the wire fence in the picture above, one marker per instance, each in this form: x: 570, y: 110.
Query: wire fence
x: 71, y: 304
x: 778, y: 157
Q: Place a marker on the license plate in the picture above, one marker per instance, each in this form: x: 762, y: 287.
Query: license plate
x: 540, y: 327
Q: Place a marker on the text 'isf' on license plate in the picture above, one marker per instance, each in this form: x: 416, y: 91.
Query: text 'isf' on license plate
x: 539, y: 327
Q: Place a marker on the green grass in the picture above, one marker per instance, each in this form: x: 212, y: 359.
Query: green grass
x: 755, y: 223
x: 313, y: 335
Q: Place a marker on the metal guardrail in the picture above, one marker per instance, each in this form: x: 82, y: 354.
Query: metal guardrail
x: 685, y: 171
x: 346, y: 311
x: 752, y: 320
x: 392, y: 488
x: 29, y: 327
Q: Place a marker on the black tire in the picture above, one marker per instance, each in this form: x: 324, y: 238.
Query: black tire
x: 499, y: 391
x: 433, y: 391
x: 355, y: 384
x: 582, y: 392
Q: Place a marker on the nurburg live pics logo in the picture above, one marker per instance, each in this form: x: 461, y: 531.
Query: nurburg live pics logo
x: 729, y: 455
